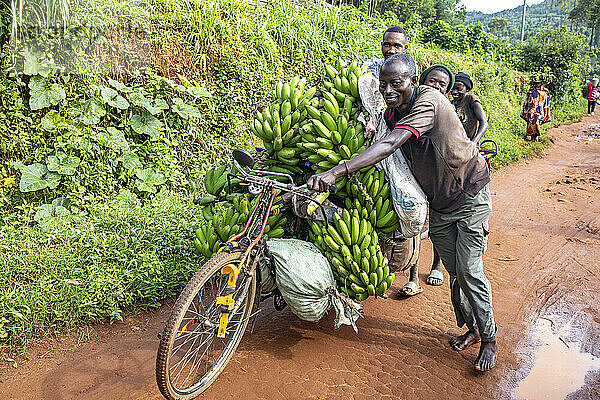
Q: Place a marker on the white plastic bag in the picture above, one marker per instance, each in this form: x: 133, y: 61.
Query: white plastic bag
x: 409, y: 199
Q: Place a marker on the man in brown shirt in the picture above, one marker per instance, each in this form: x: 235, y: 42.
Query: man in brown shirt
x: 454, y: 177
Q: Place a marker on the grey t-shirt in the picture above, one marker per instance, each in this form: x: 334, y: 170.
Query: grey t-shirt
x: 443, y: 159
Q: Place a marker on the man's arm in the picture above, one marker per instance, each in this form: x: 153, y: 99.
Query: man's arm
x: 483, y: 124
x: 375, y: 153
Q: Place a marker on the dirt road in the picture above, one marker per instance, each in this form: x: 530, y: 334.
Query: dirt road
x: 542, y: 260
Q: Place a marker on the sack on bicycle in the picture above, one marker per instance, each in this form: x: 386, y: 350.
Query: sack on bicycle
x: 306, y: 283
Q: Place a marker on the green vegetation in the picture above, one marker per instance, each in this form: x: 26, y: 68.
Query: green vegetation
x: 540, y: 17
x: 98, y: 169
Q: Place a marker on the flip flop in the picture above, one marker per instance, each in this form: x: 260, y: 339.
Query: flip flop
x: 410, y: 289
x: 436, y: 275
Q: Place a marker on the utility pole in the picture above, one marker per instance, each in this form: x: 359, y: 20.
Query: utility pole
x: 523, y: 21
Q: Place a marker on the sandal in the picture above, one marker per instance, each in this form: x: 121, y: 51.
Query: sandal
x: 410, y: 289
x: 437, y: 276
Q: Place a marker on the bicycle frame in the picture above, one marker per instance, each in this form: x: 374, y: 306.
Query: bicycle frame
x: 253, y: 233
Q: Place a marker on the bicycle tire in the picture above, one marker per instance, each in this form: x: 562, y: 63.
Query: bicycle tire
x: 165, y: 360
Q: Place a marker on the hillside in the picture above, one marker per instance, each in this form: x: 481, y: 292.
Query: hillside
x: 539, y: 17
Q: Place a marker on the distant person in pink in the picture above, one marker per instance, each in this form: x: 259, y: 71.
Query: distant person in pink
x: 593, y: 96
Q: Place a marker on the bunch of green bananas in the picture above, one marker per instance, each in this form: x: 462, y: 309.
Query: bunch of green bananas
x: 230, y: 220
x: 215, y: 180
x: 352, y: 247
x: 371, y: 192
x: 278, y: 125
x: 344, y: 79
x: 333, y: 134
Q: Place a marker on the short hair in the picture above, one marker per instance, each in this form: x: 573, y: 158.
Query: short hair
x: 407, y: 62
x: 396, y: 29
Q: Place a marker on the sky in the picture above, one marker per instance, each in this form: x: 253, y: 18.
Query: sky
x: 488, y: 6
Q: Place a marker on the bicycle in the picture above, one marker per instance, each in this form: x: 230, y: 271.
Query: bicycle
x: 213, y: 310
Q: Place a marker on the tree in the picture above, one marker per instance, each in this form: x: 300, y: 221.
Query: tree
x: 558, y: 57
x: 497, y: 25
x: 587, y: 12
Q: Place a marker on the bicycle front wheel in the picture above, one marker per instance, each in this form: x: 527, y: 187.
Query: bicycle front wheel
x: 190, y: 355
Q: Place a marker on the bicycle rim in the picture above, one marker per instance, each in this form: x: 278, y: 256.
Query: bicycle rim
x: 190, y: 355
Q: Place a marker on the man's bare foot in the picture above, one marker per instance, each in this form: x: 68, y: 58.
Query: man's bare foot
x: 487, y: 356
x: 465, y: 340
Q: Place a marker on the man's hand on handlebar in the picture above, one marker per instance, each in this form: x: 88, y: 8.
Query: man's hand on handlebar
x: 321, y: 182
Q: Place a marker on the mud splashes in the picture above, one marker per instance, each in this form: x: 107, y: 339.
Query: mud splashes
x: 559, y: 366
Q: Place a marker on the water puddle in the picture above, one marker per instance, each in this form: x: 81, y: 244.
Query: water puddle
x: 559, y: 367
x: 591, y: 134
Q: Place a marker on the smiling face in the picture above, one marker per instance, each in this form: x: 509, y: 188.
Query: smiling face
x: 458, y: 91
x: 438, y: 79
x: 393, y: 43
x: 396, y: 85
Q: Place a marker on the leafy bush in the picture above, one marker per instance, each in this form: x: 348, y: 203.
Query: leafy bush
x: 77, y: 269
x: 558, y: 57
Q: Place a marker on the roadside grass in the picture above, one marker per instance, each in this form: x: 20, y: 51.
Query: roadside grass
x: 85, y: 269
x: 121, y: 255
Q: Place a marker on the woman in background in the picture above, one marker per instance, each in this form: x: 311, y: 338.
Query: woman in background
x: 536, y: 110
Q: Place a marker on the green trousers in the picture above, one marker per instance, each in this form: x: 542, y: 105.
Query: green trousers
x: 461, y: 239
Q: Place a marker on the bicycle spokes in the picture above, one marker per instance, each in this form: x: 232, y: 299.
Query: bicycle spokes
x: 225, y: 300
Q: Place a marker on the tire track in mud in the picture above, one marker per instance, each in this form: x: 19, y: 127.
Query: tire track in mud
x: 542, y: 260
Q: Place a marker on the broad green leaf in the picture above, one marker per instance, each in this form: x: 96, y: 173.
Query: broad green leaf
x: 91, y: 111
x: 121, y: 87
x: 62, y: 201
x: 130, y: 161
x: 62, y: 163
x: 36, y: 63
x: 127, y: 198
x: 161, y: 104
x: 117, y: 139
x: 47, y: 211
x: 184, y: 110
x: 137, y: 98
x: 174, y: 84
x: 36, y: 177
x: 146, y: 124
x: 148, y: 179
x: 42, y: 94
x: 53, y: 179
x: 113, y: 98
x: 54, y: 120
x: 198, y: 92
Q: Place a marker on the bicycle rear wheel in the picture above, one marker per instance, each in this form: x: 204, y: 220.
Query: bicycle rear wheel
x: 190, y: 355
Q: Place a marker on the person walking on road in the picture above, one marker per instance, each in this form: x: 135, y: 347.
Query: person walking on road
x: 536, y: 110
x: 468, y: 107
x: 593, y: 96
x: 454, y: 176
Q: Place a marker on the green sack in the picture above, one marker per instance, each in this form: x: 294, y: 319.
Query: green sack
x: 305, y: 280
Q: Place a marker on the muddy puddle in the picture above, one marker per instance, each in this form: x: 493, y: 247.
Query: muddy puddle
x: 591, y: 134
x: 559, y: 366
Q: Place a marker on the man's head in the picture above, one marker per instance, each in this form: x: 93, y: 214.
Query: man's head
x: 462, y: 85
x: 394, y: 41
x: 439, y: 77
x: 397, y: 80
